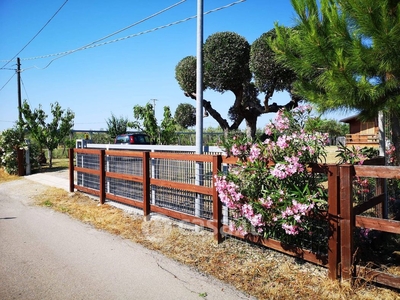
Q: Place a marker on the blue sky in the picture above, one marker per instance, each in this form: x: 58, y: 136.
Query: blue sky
x: 112, y: 78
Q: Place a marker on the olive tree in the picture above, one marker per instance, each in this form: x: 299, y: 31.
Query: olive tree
x: 230, y: 63
x: 185, y: 115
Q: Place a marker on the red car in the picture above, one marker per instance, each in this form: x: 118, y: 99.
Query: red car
x: 133, y: 139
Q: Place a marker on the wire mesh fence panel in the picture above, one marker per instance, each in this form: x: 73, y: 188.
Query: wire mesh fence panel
x: 124, y: 165
x: 89, y: 161
x: 125, y: 188
x: 183, y: 201
x: 182, y: 171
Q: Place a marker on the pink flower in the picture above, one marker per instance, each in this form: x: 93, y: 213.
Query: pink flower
x: 290, y: 229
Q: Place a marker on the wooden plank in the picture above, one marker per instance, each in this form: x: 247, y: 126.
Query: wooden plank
x: 369, y: 204
x: 371, y: 275
x: 217, y: 205
x: 102, y: 184
x: 377, y: 161
x: 129, y: 177
x: 21, y: 162
x: 232, y: 160
x: 71, y: 169
x: 377, y: 171
x: 125, y: 200
x: 87, y: 151
x: 347, y: 220
x: 146, y: 184
x: 87, y: 190
x: 87, y: 171
x: 182, y: 186
x: 182, y: 156
x: 277, y: 245
x: 120, y: 153
x: 182, y: 216
x: 391, y: 226
x: 333, y: 217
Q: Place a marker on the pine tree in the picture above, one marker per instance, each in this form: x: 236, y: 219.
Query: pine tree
x: 346, y: 55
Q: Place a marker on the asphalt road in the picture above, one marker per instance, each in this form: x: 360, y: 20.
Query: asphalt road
x: 48, y: 255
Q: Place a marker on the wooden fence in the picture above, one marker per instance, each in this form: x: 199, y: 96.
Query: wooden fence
x: 362, y: 140
x: 341, y: 217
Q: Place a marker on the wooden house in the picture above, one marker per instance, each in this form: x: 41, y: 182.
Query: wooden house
x: 362, y: 133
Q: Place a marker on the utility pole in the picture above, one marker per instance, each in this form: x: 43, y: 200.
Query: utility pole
x: 199, y: 79
x: 154, y: 105
x: 19, y: 88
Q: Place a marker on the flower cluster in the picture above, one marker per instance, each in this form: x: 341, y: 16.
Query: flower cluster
x: 390, y: 152
x: 269, y: 191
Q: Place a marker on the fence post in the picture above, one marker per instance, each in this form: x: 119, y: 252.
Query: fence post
x: 347, y: 221
x: 217, y: 205
x: 380, y: 188
x: 333, y: 221
x: 146, y: 185
x: 20, y: 160
x: 71, y: 169
x: 102, y: 186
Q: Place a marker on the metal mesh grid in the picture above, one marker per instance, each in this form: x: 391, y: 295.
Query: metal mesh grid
x: 183, y: 201
x: 181, y: 171
x: 89, y: 161
x: 125, y: 188
x: 124, y: 165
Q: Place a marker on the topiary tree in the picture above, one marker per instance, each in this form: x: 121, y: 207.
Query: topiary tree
x: 185, y: 115
x: 227, y: 61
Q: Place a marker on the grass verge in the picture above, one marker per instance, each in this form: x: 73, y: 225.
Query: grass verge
x: 260, y: 272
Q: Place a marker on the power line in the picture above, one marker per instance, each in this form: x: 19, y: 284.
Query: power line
x: 107, y: 36
x: 7, y: 82
x: 23, y: 85
x: 93, y: 45
x: 36, y: 34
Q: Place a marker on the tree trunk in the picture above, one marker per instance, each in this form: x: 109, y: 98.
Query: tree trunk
x: 395, y: 126
x: 251, y: 126
x: 50, y: 153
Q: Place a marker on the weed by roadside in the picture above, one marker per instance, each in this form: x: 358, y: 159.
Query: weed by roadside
x: 260, y: 272
x: 4, y: 176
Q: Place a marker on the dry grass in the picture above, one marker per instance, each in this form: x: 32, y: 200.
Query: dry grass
x: 258, y: 271
x: 4, y: 176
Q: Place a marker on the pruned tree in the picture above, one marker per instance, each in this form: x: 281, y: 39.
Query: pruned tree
x: 116, y: 126
x: 227, y: 60
x: 345, y: 54
x: 48, y: 135
x: 185, y: 115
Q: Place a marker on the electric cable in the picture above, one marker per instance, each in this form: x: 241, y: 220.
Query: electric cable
x: 7, y: 82
x: 109, y: 35
x: 36, y: 33
x: 93, y: 45
x: 23, y: 85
